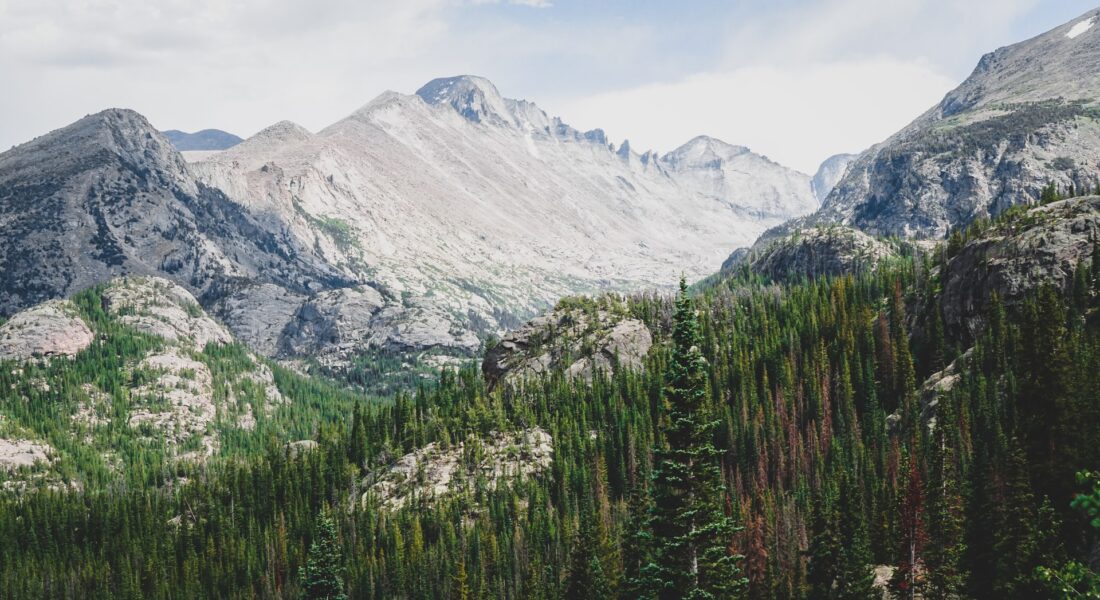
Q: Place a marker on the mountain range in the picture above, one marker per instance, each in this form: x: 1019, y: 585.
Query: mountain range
x: 419, y: 222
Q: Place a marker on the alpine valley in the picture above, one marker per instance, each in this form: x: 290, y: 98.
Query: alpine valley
x: 437, y: 350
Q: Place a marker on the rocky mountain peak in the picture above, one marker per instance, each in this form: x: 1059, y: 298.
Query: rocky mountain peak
x: 829, y: 173
x: 112, y: 134
x: 1055, y: 64
x: 1025, y: 118
x: 475, y: 98
x: 703, y: 152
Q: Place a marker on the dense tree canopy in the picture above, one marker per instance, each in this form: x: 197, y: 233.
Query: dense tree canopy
x: 793, y: 411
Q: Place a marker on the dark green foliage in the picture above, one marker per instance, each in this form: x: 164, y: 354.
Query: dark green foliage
x: 586, y: 579
x: 323, y: 574
x: 691, y: 532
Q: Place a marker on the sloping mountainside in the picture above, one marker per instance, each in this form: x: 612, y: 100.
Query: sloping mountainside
x: 131, y: 382
x: 205, y: 140
x: 1027, y: 116
x: 861, y: 441
x: 108, y: 195
x: 473, y: 210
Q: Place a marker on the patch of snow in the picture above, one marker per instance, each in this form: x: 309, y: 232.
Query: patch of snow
x: 1080, y: 27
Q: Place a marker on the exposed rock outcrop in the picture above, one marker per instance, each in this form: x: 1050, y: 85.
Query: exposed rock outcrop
x: 1042, y: 246
x: 576, y: 338
x: 159, y: 307
x: 51, y: 329
x: 939, y: 384
x: 816, y: 252
x: 434, y: 471
x: 19, y: 453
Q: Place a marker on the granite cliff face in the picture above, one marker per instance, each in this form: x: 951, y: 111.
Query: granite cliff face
x: 1027, y: 116
x: 1041, y: 246
x: 109, y: 196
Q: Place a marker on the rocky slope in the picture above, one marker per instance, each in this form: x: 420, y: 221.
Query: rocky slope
x: 1040, y: 246
x: 108, y: 196
x: 578, y: 338
x: 141, y: 364
x: 1028, y: 115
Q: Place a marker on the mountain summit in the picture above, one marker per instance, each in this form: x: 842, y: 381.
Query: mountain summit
x: 1027, y: 116
x: 475, y: 98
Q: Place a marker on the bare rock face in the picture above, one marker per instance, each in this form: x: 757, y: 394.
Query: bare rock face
x: 576, y: 339
x: 1026, y: 116
x: 162, y: 308
x: 1041, y: 247
x: 18, y: 453
x: 815, y: 252
x: 434, y: 471
x: 259, y: 314
x: 829, y: 174
x: 48, y: 330
x: 109, y: 196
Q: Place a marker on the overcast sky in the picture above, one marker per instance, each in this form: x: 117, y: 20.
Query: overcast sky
x: 795, y: 80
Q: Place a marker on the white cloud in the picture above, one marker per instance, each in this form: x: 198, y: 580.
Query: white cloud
x: 795, y: 115
x: 795, y: 79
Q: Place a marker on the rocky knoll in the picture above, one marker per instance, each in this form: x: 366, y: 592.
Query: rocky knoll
x: 177, y: 393
x: 1040, y: 246
x: 827, y: 250
x: 579, y: 337
x: 50, y: 329
x: 434, y: 470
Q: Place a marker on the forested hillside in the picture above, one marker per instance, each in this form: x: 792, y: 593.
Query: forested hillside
x: 854, y: 429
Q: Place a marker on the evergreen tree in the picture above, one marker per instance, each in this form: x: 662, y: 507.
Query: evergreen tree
x: 825, y: 550
x: 946, y: 547
x: 586, y: 580
x: 907, y: 578
x: 323, y: 574
x: 692, y: 533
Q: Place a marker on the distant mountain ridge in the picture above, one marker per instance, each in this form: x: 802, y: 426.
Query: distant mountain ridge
x: 418, y: 223
x: 470, y: 211
x: 207, y: 139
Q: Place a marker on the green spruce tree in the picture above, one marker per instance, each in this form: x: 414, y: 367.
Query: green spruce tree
x: 323, y: 574
x: 586, y: 579
x: 691, y: 531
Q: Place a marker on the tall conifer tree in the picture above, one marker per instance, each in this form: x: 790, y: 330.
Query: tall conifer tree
x: 692, y: 532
